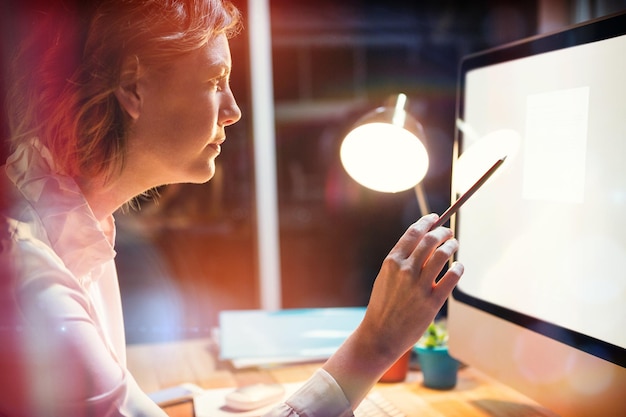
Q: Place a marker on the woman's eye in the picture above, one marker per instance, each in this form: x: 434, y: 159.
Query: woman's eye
x: 215, y: 84
x: 219, y: 83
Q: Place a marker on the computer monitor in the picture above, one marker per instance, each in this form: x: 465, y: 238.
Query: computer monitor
x: 542, y: 303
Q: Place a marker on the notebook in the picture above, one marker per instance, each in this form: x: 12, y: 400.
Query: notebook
x: 257, y: 337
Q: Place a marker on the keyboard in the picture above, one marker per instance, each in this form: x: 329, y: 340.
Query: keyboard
x: 376, y: 405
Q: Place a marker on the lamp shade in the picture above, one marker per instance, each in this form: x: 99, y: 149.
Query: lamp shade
x: 384, y: 151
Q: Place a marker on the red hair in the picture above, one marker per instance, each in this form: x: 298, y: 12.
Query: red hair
x: 67, y: 70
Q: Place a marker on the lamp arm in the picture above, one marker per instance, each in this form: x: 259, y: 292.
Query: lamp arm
x: 422, y: 201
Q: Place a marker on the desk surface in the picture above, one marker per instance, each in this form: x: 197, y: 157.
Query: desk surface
x: 157, y: 366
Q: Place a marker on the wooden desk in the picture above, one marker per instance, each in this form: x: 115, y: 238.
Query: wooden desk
x: 157, y: 366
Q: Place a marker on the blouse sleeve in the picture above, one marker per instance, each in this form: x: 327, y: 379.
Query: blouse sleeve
x: 320, y: 396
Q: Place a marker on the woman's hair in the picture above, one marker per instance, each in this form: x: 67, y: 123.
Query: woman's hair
x: 66, y: 72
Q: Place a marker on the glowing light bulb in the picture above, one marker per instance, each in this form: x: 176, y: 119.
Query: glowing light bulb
x: 384, y: 157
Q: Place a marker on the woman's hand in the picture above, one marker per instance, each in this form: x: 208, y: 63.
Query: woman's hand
x: 405, y: 297
x: 404, y: 300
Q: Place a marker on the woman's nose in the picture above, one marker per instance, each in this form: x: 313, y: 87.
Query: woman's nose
x: 231, y: 113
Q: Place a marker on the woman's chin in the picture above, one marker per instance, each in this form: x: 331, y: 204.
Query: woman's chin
x: 198, y: 174
x: 206, y: 175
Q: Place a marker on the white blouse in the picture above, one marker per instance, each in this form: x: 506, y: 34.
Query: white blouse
x: 62, y: 349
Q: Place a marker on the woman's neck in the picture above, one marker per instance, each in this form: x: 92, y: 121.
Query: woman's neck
x: 106, y: 197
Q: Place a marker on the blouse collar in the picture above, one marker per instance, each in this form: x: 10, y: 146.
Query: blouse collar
x: 72, y: 229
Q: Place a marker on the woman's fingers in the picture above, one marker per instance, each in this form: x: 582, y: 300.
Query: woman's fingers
x: 448, y: 281
x: 426, y: 251
x: 438, y: 258
x: 413, y: 235
x: 429, y: 245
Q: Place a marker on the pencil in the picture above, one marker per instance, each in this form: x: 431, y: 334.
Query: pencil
x: 458, y: 203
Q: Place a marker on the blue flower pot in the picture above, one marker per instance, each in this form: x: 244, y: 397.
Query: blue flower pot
x: 439, y: 368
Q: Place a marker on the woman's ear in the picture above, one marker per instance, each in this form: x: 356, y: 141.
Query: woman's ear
x: 127, y: 92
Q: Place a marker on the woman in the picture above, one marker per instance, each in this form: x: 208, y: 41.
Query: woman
x: 107, y: 103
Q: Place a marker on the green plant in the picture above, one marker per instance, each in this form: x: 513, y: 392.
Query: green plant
x: 436, y: 335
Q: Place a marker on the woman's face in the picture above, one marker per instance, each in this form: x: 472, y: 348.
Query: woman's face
x: 183, y: 112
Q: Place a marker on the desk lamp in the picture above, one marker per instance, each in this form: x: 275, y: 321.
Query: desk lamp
x: 384, y: 151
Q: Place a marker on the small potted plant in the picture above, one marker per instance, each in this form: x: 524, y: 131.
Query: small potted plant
x: 438, y: 367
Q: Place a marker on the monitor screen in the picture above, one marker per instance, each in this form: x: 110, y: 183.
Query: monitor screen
x: 544, y: 241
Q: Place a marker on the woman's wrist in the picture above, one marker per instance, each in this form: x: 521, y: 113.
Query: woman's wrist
x: 361, y: 361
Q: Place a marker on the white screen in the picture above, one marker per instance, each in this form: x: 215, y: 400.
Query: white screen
x: 548, y: 233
